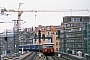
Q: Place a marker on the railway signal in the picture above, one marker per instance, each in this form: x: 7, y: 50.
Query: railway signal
x: 39, y: 36
x: 58, y: 33
x: 43, y: 36
x: 5, y: 38
x: 35, y: 37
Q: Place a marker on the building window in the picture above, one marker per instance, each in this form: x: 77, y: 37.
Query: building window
x: 48, y: 34
x: 68, y: 25
x: 61, y: 31
x: 47, y: 28
x: 49, y: 41
x: 75, y: 19
x: 56, y: 49
x: 61, y: 46
x: 56, y: 43
x: 57, y: 38
x: 59, y: 49
x: 80, y: 29
x: 52, y: 33
x: 59, y: 43
x: 74, y: 25
x: 56, y: 33
x: 62, y: 40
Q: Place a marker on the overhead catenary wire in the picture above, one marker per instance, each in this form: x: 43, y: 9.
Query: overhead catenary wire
x: 5, y: 19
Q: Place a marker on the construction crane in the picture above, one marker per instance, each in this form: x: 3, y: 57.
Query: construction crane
x: 21, y: 11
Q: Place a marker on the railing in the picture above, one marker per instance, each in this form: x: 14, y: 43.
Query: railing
x: 71, y: 56
x: 87, y: 57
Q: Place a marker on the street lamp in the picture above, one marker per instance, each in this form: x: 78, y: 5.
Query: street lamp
x: 35, y: 36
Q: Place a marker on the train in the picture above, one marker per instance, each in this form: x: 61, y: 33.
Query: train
x: 30, y: 47
x: 45, y: 48
x: 48, y: 49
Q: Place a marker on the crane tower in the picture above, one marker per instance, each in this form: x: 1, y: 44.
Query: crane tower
x: 18, y: 26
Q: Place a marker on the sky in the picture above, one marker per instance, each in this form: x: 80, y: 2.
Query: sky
x: 42, y: 18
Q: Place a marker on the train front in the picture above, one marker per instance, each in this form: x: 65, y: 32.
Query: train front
x: 48, y: 49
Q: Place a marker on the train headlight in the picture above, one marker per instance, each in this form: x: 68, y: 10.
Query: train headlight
x: 51, y: 50
x: 45, y: 50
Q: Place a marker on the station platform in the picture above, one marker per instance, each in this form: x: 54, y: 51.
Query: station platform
x: 24, y: 55
x: 13, y: 57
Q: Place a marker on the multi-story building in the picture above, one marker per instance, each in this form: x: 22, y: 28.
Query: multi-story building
x: 9, y: 39
x: 75, y: 33
x: 7, y: 42
x: 27, y: 36
x: 50, y: 33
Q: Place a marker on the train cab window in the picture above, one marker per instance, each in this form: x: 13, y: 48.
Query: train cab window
x: 46, y: 46
x: 50, y: 46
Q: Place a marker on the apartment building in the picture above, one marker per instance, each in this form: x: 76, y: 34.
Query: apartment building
x: 50, y: 33
x: 75, y: 33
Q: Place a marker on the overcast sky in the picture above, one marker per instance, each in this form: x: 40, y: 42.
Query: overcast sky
x: 42, y: 18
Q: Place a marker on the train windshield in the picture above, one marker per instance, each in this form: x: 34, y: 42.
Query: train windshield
x: 48, y: 46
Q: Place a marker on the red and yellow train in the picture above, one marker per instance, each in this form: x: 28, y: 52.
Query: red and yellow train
x: 45, y: 48
x: 48, y: 48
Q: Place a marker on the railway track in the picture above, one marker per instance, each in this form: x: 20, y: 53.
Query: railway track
x: 35, y: 56
x: 49, y: 58
x: 32, y: 56
x: 54, y: 58
x: 59, y: 58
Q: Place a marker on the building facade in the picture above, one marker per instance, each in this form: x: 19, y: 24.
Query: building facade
x: 7, y: 42
x: 27, y: 36
x: 51, y: 36
x: 75, y: 33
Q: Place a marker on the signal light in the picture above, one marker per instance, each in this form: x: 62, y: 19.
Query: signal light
x: 58, y: 33
x: 5, y: 38
x: 35, y: 35
x: 43, y: 36
x: 39, y: 36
